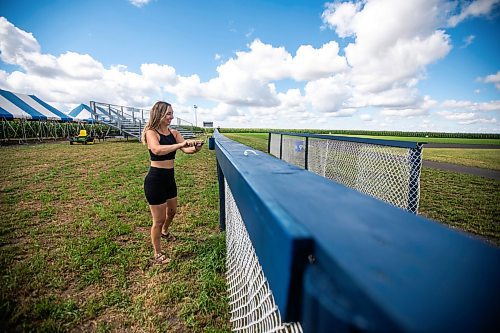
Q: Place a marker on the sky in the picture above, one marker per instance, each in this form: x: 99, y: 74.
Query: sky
x: 415, y: 65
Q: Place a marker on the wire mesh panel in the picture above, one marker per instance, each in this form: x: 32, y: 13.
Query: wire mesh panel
x: 380, y: 171
x: 251, y: 301
x: 388, y: 173
x: 274, y: 146
x: 293, y: 150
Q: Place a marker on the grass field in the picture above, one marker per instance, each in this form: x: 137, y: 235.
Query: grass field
x: 75, y: 248
x: 464, y: 202
x: 75, y: 244
x: 434, y: 140
x: 480, y: 158
x: 412, y: 139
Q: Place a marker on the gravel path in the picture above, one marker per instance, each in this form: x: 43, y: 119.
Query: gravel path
x: 487, y: 173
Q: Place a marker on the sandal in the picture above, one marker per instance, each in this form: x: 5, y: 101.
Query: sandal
x: 161, y: 259
x: 168, y: 236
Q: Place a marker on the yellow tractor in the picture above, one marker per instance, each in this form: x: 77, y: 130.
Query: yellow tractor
x: 82, y: 138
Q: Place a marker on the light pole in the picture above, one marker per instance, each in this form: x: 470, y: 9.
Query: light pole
x: 195, y: 115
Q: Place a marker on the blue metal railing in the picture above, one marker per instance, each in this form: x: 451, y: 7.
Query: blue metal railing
x: 339, y: 260
x: 380, y: 142
x: 414, y: 153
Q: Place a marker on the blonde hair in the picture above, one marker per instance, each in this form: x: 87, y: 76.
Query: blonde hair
x: 157, y: 113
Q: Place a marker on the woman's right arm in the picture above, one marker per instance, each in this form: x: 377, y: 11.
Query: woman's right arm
x: 157, y: 149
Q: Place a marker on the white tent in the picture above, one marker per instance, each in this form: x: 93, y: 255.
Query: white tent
x: 84, y: 113
x: 15, y: 105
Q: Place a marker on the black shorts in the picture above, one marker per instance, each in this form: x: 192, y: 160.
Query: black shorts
x: 159, y: 185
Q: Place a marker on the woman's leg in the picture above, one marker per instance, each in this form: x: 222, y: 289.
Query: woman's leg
x: 171, y: 210
x: 159, y: 213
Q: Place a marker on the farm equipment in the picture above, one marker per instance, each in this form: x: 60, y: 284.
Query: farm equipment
x: 82, y: 138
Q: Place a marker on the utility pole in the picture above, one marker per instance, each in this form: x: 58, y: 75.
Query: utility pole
x: 195, y: 115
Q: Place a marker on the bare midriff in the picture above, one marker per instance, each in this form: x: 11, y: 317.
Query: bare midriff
x: 168, y: 164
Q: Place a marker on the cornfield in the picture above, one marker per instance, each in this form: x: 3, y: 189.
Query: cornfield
x: 494, y: 136
x: 25, y: 130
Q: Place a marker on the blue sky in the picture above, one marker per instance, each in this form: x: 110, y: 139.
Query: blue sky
x: 421, y: 65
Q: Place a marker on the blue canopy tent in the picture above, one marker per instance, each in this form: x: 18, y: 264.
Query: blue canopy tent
x: 84, y: 113
x: 26, y: 117
x: 29, y: 107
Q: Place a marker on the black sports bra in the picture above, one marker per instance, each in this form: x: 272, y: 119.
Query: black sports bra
x: 164, y: 140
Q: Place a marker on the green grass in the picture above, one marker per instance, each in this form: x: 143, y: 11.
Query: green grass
x: 75, y: 246
x: 375, y: 134
x: 246, y: 136
x: 480, y: 158
x: 254, y: 140
x: 258, y: 137
x: 465, y: 202
x: 433, y: 140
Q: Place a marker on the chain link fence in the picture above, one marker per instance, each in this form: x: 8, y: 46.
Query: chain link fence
x: 387, y: 170
x: 251, y: 301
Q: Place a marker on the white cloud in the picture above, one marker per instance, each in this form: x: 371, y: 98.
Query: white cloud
x: 468, y: 113
x: 247, y: 79
x: 161, y: 74
x: 390, y: 45
x: 468, y: 41
x: 404, y: 113
x: 15, y: 42
x: 457, y: 116
x: 388, y: 57
x: 292, y: 107
x: 340, y: 16
x: 139, y: 3
x: 185, y: 88
x: 391, y: 98
x: 22, y: 49
x: 466, y: 118
x: 310, y: 63
x: 472, y: 106
x: 81, y: 66
x: 238, y: 89
x: 292, y: 101
x: 472, y: 9
x: 70, y: 78
x: 250, y: 33
x: 328, y: 95
x: 263, y: 62
x: 222, y: 111
x: 493, y: 78
x: 366, y: 117
x: 386, y: 79
x: 348, y: 112
x: 394, y: 52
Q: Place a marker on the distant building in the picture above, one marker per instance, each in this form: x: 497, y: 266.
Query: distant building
x: 209, y: 124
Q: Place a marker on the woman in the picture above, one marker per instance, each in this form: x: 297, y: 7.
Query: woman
x: 159, y: 185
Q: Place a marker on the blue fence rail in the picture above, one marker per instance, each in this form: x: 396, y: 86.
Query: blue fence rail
x: 409, y: 185
x: 339, y: 260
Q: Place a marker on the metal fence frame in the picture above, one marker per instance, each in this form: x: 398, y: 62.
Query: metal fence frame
x: 415, y: 149
x: 122, y: 113
x: 356, y: 263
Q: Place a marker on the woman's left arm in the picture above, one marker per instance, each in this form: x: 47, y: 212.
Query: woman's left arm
x: 192, y: 147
